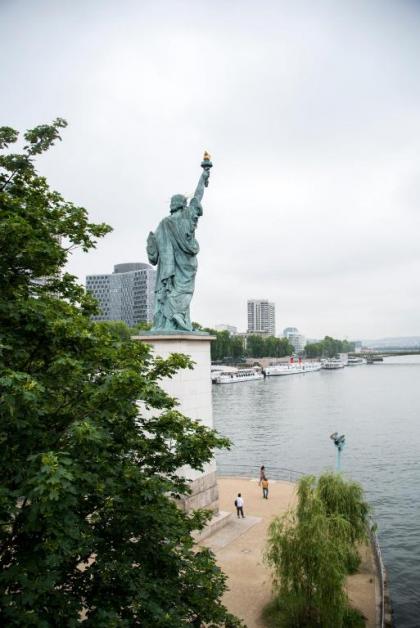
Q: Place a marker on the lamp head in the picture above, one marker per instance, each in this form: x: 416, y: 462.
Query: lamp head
x: 339, y: 441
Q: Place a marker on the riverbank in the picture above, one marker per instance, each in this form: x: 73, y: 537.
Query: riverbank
x: 239, y: 548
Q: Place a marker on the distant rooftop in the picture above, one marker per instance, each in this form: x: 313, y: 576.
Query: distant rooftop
x: 130, y: 266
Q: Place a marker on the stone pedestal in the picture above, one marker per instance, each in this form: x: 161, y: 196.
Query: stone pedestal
x: 192, y: 388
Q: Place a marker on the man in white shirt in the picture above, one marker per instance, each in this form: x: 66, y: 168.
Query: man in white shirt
x: 239, y: 503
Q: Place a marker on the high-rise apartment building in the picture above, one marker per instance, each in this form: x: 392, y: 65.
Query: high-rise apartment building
x: 295, y: 338
x: 261, y: 317
x: 128, y: 294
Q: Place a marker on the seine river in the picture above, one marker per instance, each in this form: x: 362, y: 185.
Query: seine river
x: 286, y: 422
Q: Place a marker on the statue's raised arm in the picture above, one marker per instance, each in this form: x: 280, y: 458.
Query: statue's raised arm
x: 204, y: 179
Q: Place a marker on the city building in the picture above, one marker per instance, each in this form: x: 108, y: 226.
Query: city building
x: 290, y: 330
x: 125, y: 295
x: 259, y: 332
x: 297, y: 340
x: 230, y: 328
x: 357, y: 346
x: 261, y: 317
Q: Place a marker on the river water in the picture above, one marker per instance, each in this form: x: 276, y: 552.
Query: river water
x: 286, y: 422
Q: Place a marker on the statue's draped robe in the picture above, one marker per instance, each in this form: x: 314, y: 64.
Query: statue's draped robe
x: 174, y: 249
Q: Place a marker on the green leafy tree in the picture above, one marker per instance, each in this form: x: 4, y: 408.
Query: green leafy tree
x: 142, y: 326
x: 89, y: 521
x: 283, y: 348
x: 314, y: 350
x: 119, y: 329
x: 225, y: 345
x: 228, y: 346
x: 255, y: 346
x: 328, y: 348
x: 308, y: 551
x: 270, y: 347
x: 237, y: 346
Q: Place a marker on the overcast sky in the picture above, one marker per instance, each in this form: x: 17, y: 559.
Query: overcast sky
x: 311, y: 111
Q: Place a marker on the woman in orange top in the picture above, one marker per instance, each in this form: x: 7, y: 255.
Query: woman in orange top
x: 264, y: 484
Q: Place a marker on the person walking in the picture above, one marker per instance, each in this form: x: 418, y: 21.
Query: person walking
x: 239, y: 503
x: 264, y: 485
x: 262, y: 474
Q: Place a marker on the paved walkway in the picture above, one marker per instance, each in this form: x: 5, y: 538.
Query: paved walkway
x: 240, y: 544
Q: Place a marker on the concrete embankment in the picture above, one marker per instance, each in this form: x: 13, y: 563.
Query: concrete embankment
x: 240, y: 544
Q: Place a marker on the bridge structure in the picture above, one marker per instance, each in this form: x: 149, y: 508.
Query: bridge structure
x: 383, y: 353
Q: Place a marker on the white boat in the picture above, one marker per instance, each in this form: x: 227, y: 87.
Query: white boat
x: 292, y: 368
x: 354, y: 361
x: 332, y: 363
x: 217, y: 370
x: 242, y: 375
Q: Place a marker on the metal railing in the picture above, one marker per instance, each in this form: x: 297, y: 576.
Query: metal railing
x: 274, y: 473
x: 380, y: 568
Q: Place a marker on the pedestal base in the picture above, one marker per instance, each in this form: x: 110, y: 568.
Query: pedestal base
x: 192, y: 388
x: 204, y: 494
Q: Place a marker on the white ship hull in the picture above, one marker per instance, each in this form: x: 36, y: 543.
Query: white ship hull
x: 356, y: 361
x: 332, y: 365
x: 292, y: 369
x: 243, y: 375
x: 217, y: 371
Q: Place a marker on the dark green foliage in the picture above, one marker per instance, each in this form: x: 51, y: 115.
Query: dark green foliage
x: 87, y: 523
x: 328, y: 348
x: 308, y: 550
x: 270, y: 347
x: 226, y: 345
x: 139, y: 327
x: 353, y: 618
x: 233, y: 347
x: 276, y: 615
x: 120, y: 329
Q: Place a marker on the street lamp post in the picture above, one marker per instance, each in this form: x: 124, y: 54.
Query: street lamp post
x: 339, y: 442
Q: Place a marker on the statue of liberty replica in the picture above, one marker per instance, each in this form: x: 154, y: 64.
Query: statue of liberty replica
x: 174, y: 249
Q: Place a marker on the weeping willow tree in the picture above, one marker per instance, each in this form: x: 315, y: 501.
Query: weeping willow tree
x: 345, y: 498
x: 308, y: 550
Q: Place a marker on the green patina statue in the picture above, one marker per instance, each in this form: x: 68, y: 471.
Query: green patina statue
x: 174, y: 249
